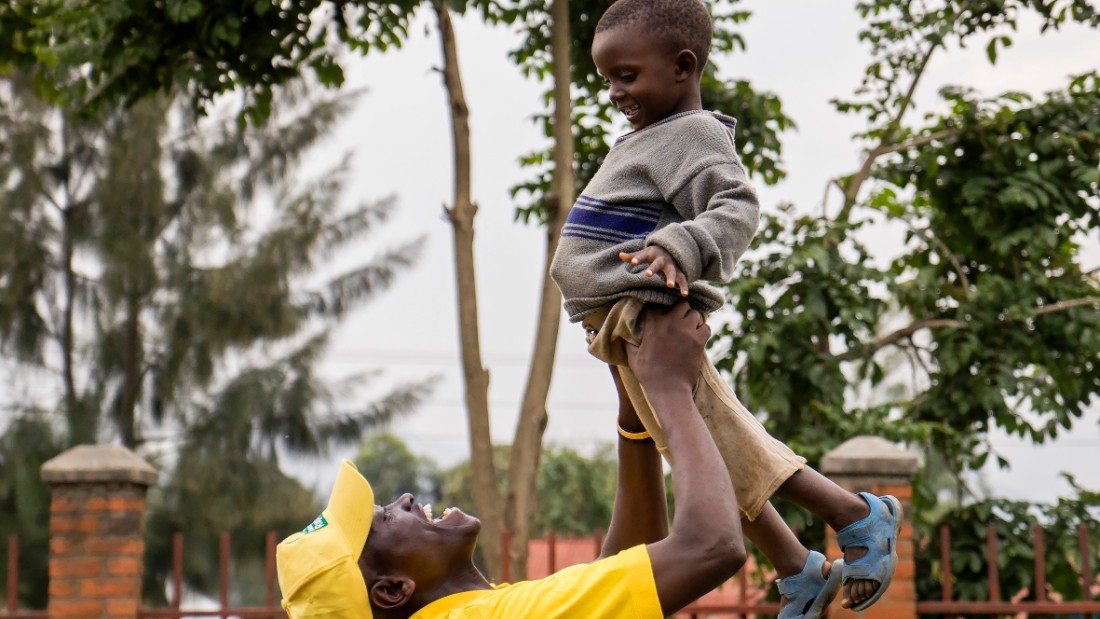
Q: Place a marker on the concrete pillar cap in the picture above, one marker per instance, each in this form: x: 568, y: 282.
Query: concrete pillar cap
x: 98, y: 464
x: 870, y: 455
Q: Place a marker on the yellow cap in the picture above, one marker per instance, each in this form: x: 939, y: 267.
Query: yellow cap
x: 318, y: 567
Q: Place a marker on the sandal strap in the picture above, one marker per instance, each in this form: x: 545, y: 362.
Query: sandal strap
x: 791, y: 586
x: 860, y: 533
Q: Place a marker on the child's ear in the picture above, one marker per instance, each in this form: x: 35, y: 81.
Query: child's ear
x: 687, y: 63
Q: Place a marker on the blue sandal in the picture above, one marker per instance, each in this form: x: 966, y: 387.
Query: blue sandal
x: 808, y: 592
x: 878, y: 533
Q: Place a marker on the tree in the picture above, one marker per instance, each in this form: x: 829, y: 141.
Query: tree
x: 576, y: 491
x: 984, y: 318
x: 164, y: 275
x: 25, y: 446
x: 393, y: 470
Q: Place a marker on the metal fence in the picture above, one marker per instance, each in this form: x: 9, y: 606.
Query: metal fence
x: 12, y: 586
x: 270, y: 609
x: 742, y: 598
x: 995, y: 605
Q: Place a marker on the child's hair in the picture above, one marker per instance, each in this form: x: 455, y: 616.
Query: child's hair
x: 680, y: 24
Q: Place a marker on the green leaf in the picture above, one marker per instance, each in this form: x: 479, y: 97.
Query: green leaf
x: 182, y: 11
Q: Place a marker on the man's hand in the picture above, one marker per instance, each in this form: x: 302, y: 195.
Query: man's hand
x: 659, y: 261
x: 672, y: 348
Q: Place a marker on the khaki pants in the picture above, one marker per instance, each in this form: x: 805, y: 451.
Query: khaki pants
x: 757, y: 462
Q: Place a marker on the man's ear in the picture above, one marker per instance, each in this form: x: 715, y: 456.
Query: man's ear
x: 687, y: 63
x: 392, y: 591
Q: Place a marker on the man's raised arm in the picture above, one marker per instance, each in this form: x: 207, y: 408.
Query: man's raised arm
x: 640, y: 515
x: 705, y: 546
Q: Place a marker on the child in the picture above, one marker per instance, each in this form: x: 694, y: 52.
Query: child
x: 672, y: 198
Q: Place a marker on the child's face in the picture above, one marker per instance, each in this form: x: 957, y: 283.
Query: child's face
x: 645, y: 81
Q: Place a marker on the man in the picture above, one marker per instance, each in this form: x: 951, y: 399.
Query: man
x: 358, y: 560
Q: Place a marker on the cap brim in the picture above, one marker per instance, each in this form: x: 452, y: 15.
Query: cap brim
x: 351, y: 505
x: 318, y: 569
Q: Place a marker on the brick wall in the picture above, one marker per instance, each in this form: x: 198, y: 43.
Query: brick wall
x: 870, y: 464
x: 97, y: 517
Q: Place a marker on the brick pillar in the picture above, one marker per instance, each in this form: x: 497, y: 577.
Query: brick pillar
x: 875, y: 465
x: 97, y: 518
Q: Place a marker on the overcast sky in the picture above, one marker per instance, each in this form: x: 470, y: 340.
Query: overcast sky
x: 401, y: 137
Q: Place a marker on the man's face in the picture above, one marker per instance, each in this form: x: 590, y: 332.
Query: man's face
x: 405, y: 539
x: 643, y: 78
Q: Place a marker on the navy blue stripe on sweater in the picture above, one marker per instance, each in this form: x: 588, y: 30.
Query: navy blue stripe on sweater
x: 613, y: 223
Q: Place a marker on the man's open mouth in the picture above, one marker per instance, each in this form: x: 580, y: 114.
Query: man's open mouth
x: 443, y: 518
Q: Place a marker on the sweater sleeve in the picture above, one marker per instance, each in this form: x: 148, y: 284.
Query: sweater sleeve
x: 720, y: 210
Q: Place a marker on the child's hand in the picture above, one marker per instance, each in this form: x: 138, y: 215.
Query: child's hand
x: 659, y: 261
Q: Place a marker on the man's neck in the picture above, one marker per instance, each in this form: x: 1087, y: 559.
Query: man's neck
x: 469, y: 579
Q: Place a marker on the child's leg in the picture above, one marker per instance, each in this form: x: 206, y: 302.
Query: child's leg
x: 759, y: 464
x: 849, y: 514
x: 846, y: 512
x: 774, y: 538
x: 755, y: 457
x: 807, y: 581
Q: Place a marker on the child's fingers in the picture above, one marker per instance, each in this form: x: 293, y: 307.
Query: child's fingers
x: 658, y: 261
x: 682, y: 284
x: 675, y: 279
x: 641, y: 256
x: 662, y: 265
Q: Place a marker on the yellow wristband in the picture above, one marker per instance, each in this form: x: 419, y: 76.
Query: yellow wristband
x: 637, y: 437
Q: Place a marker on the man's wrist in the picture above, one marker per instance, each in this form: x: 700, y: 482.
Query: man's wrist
x: 634, y: 436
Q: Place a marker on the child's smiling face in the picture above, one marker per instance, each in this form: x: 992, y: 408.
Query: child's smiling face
x: 646, y: 81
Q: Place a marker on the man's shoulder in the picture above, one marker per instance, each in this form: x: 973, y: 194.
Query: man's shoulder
x: 619, y: 587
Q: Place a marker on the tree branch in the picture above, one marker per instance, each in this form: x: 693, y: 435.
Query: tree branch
x: 919, y: 141
x: 892, y: 338
x: 852, y: 190
x: 927, y: 235
x: 869, y: 349
x: 1065, y: 305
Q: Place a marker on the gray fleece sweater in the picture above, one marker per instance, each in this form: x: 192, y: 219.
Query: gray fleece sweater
x: 678, y: 184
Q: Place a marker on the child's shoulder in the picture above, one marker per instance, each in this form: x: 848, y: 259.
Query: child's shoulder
x: 691, y: 125
x: 705, y: 121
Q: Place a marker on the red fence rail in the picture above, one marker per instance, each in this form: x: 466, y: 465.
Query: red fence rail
x: 1042, y: 604
x: 741, y: 597
x: 270, y: 609
x: 11, y: 610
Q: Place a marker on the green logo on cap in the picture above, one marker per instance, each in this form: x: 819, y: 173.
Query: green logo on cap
x: 319, y: 523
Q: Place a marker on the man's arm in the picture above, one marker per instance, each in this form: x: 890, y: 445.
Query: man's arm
x: 640, y: 515
x: 705, y: 546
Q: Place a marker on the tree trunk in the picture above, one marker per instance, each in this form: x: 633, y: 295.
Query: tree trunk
x: 81, y: 427
x: 130, y: 390
x: 486, y: 492
x: 527, y: 444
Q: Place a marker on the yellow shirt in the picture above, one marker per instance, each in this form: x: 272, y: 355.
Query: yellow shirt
x: 618, y: 587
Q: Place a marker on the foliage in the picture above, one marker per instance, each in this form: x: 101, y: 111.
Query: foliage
x: 174, y: 286
x: 26, y: 444
x: 136, y: 49
x: 1013, y: 523
x: 394, y: 470
x: 983, y: 316
x: 575, y: 492
x: 236, y: 494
